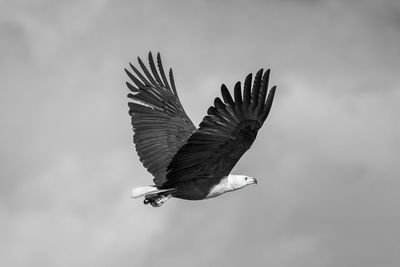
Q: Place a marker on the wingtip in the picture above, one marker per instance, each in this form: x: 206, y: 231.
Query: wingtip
x: 159, y: 61
x: 265, y: 83
x: 249, y: 76
x: 139, y: 60
x: 151, y: 56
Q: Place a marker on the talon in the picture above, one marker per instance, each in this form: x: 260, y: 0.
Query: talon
x: 156, y: 200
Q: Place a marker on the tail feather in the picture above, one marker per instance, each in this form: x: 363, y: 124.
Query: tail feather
x: 147, y: 190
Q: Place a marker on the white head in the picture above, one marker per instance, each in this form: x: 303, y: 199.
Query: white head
x: 240, y: 181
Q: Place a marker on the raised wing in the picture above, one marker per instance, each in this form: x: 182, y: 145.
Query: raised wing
x: 159, y: 121
x: 225, y: 134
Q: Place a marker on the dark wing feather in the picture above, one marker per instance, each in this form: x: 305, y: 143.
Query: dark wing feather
x: 159, y: 121
x: 225, y: 134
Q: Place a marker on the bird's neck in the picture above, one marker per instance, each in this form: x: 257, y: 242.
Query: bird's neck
x: 232, y: 180
x: 222, y: 187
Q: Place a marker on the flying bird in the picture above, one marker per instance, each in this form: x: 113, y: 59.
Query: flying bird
x: 188, y: 162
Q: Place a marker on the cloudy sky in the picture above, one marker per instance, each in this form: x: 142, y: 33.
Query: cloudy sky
x: 327, y: 159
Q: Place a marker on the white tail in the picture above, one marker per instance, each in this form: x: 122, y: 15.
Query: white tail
x: 147, y: 190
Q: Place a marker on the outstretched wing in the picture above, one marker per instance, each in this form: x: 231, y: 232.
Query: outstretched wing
x: 159, y: 121
x: 225, y: 134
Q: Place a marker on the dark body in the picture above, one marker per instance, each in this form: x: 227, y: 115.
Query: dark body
x: 198, y: 184
x: 184, y: 158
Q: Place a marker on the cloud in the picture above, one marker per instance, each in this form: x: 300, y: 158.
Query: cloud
x: 318, y: 191
x: 325, y: 159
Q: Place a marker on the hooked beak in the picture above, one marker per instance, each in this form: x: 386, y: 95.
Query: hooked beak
x: 253, y: 180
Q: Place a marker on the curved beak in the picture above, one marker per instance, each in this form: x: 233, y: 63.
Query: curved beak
x: 253, y: 180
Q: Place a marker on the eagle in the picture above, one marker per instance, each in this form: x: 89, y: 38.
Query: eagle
x: 187, y: 162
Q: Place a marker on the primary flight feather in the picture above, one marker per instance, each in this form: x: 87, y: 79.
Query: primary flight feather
x: 188, y: 162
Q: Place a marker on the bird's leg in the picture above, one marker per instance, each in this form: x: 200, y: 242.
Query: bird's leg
x: 150, y: 199
x: 162, y: 199
x: 156, y: 200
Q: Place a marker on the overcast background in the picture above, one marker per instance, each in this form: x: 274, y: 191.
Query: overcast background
x: 326, y: 160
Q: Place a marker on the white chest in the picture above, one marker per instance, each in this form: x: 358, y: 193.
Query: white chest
x: 219, y: 189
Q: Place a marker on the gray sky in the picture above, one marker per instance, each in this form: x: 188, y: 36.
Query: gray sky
x: 327, y: 158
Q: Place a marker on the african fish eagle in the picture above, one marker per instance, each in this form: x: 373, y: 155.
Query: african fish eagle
x: 188, y: 162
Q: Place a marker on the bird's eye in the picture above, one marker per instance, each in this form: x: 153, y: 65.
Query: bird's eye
x: 245, y: 178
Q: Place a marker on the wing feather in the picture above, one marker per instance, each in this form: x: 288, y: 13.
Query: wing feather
x: 227, y: 96
x: 160, y: 124
x: 255, y: 94
x: 225, y: 133
x: 154, y: 70
x: 147, y: 73
x: 264, y: 86
x: 143, y: 79
x: 171, y: 79
x: 161, y: 69
x: 247, y: 91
